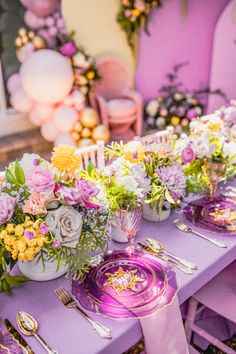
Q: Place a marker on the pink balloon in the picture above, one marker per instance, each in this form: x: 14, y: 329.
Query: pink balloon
x: 42, y: 111
x: 34, y: 119
x: 41, y: 8
x: 20, y: 101
x: 64, y: 139
x: 64, y: 117
x: 25, y: 51
x: 33, y: 21
x: 49, y: 39
x: 68, y: 101
x: 78, y: 100
x: 13, y: 83
x: 47, y: 76
x: 49, y: 131
x: 53, y: 31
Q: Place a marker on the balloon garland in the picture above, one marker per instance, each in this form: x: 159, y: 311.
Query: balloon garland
x: 55, y: 78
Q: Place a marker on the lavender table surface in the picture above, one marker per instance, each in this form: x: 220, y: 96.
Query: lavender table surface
x: 67, y: 332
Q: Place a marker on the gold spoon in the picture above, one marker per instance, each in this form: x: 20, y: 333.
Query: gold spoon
x: 29, y: 327
x: 158, y: 247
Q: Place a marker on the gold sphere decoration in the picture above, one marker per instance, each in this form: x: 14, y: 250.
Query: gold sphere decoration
x: 39, y: 42
x: 22, y: 32
x: 25, y: 40
x: 89, y: 118
x: 31, y: 35
x: 86, y: 133
x: 85, y: 142
x: 75, y: 136
x: 77, y: 127
x: 101, y: 133
x: 18, y: 42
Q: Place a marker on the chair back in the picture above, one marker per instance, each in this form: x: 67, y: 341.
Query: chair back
x: 93, y: 153
x: 115, y: 77
x: 164, y: 136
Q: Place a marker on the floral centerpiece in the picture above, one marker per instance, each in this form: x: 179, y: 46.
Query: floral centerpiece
x: 166, y: 177
x: 50, y: 213
x: 208, y: 142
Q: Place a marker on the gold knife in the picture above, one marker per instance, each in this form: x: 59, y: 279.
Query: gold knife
x: 18, y: 337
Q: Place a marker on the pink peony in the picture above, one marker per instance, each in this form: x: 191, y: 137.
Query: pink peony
x: 40, y: 180
x: 36, y: 204
x: 188, y: 155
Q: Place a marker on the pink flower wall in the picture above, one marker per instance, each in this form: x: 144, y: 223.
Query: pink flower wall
x: 175, y: 39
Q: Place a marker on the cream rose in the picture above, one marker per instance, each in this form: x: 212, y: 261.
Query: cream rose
x: 66, y: 224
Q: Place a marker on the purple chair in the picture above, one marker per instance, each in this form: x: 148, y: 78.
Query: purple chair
x: 219, y: 295
x: 120, y: 108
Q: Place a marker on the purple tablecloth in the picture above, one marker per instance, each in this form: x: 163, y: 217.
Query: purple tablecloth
x: 69, y: 333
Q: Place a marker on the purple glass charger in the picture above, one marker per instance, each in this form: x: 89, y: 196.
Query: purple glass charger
x: 216, y: 214
x: 7, y: 343
x: 127, y: 285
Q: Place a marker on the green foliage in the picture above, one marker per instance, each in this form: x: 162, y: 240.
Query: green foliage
x: 197, y: 181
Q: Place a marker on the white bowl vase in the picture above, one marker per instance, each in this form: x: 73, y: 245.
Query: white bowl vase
x: 117, y: 234
x: 150, y: 215
x: 41, y: 272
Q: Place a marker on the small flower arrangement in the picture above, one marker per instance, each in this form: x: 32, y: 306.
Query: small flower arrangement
x: 165, y: 176
x: 209, y: 139
x: 50, y: 212
x: 133, y: 15
x: 175, y: 106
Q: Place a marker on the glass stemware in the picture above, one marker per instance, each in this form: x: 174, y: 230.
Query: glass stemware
x: 215, y: 172
x: 130, y: 222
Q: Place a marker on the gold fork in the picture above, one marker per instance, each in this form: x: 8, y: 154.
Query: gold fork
x: 65, y: 297
x: 185, y: 228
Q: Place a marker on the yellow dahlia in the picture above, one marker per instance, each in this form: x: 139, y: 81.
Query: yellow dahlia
x: 65, y: 159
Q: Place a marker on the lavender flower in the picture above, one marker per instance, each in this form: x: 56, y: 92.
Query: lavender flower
x: 7, y: 206
x: 36, y: 162
x: 29, y: 235
x: 56, y: 244
x: 173, y: 178
x: 43, y: 229
x: 68, y: 49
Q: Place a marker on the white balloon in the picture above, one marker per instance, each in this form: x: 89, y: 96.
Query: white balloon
x: 64, y: 117
x: 49, y: 131
x: 20, y: 101
x: 47, y: 76
x: 64, y: 139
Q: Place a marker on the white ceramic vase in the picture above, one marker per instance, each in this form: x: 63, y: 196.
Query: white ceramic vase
x: 41, y: 272
x: 116, y: 233
x: 151, y: 215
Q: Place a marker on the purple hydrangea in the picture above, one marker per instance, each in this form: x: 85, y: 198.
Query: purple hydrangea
x: 173, y: 178
x: 7, y: 206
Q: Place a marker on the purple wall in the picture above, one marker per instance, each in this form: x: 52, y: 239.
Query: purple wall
x: 175, y: 39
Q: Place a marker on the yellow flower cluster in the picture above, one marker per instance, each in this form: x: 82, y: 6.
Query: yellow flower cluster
x: 20, y: 247
x: 64, y: 158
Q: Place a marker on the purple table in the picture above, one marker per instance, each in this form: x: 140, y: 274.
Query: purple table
x: 67, y: 332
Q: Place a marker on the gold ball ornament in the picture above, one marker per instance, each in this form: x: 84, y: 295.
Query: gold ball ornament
x: 31, y: 35
x: 89, y: 118
x: 86, y: 133
x: 77, y: 127
x: 22, y: 32
x: 25, y: 40
x: 18, y: 42
x: 75, y: 136
x: 39, y: 42
x: 85, y: 142
x: 101, y: 133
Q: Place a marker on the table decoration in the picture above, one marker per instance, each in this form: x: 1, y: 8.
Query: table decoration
x: 7, y: 343
x: 166, y: 176
x: 127, y: 285
x: 208, y: 154
x: 50, y: 215
x: 216, y: 214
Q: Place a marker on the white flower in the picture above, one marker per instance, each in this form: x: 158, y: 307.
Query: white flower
x: 152, y: 107
x: 28, y: 163
x: 230, y: 150
x: 133, y: 146
x: 160, y: 122
x: 66, y: 225
x: 80, y: 60
x: 128, y: 182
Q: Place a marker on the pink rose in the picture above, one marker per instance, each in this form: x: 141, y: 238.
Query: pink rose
x: 36, y: 204
x: 188, y: 155
x: 40, y: 180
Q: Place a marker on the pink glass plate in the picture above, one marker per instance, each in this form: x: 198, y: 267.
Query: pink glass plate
x: 156, y: 289
x: 217, y: 214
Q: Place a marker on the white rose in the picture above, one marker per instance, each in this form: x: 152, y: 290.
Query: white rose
x: 80, y: 60
x: 128, y: 182
x: 230, y: 150
x: 66, y: 225
x: 152, y: 107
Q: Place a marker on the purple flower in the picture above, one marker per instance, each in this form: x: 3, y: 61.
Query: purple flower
x: 188, y: 155
x: 43, y: 229
x: 192, y: 113
x: 40, y: 180
x: 36, y: 162
x: 173, y: 178
x: 56, y: 244
x: 7, y: 206
x: 79, y: 195
x: 29, y: 235
x: 68, y: 49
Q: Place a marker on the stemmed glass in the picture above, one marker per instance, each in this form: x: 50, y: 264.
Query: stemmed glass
x: 130, y: 222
